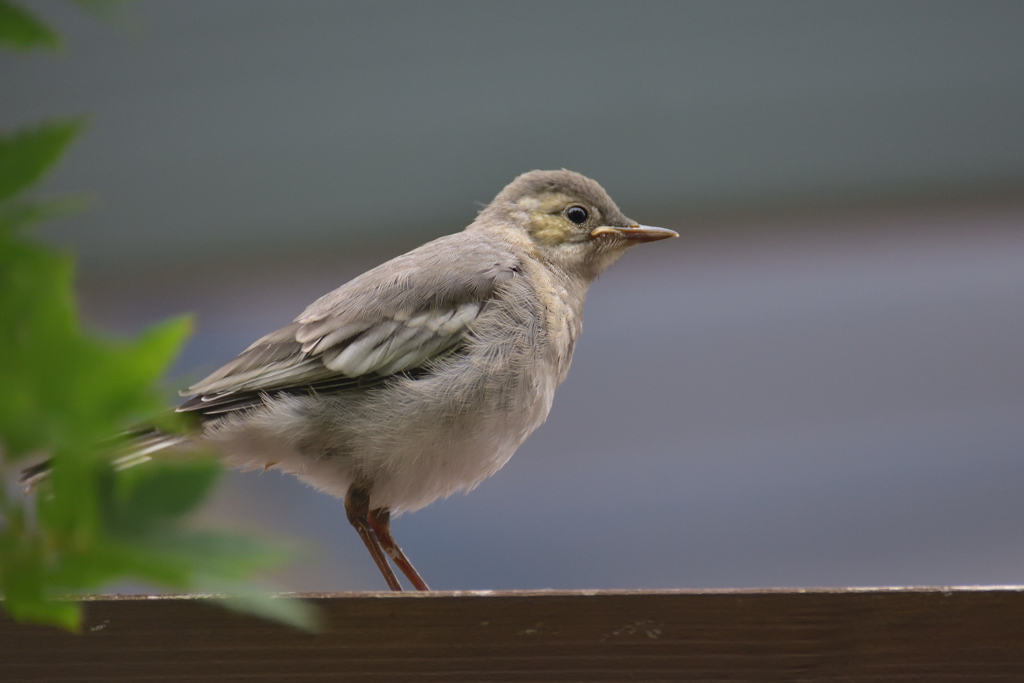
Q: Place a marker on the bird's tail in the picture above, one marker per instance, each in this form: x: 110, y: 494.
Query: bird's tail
x: 134, y: 448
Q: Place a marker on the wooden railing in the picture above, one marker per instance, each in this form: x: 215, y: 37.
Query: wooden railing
x: 875, y: 635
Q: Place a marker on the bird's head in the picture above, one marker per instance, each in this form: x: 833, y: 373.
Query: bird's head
x: 566, y: 219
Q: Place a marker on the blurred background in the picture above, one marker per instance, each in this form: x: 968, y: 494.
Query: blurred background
x: 820, y: 384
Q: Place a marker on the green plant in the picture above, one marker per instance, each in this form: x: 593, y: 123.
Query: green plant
x: 67, y: 393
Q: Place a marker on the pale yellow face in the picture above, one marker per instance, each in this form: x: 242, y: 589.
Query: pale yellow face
x: 547, y: 218
x: 564, y: 220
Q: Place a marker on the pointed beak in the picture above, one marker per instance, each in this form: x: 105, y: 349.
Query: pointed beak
x: 635, y: 233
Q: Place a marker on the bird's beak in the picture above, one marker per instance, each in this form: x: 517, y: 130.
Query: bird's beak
x: 635, y: 233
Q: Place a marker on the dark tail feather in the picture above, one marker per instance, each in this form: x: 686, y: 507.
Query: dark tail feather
x: 30, y: 476
x: 140, y: 445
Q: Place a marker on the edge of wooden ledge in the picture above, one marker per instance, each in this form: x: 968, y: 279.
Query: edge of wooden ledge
x: 565, y: 593
x: 894, y: 634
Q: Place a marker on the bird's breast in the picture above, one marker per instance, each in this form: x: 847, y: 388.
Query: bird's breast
x: 559, y: 307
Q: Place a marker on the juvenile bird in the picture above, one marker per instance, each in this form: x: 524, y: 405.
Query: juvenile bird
x: 421, y: 377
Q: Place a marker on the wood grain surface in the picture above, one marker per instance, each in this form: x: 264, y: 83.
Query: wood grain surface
x: 956, y: 634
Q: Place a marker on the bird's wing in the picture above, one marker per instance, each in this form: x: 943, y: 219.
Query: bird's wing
x: 391, y: 319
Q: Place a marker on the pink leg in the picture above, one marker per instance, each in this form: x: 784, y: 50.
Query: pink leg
x: 380, y: 520
x: 357, y: 506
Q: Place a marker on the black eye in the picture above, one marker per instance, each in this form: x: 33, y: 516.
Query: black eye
x: 577, y: 214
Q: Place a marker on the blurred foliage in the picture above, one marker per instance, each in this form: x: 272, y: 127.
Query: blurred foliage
x: 65, y: 394
x: 22, y: 31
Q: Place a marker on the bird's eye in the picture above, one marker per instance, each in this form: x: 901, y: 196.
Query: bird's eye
x: 577, y: 214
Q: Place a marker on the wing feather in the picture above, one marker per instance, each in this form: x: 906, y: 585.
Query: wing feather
x: 392, y: 319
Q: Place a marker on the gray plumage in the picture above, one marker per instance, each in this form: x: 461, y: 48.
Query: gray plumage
x: 422, y: 376
x: 420, y: 332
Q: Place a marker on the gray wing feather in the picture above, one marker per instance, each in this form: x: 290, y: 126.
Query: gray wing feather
x: 393, y: 318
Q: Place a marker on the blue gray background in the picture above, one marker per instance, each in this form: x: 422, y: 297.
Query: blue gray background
x: 819, y: 384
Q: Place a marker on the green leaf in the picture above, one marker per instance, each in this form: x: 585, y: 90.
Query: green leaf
x: 228, y: 556
x: 148, y: 357
x: 22, y: 31
x: 16, y: 214
x: 37, y: 339
x: 103, y: 10
x: 159, y: 492
x: 290, y: 611
x: 23, y: 577
x: 27, y: 154
x: 64, y: 614
x: 67, y: 393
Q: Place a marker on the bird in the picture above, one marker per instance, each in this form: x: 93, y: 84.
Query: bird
x: 422, y: 376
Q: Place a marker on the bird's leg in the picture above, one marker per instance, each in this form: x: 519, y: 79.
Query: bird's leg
x: 380, y: 520
x: 357, y: 507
